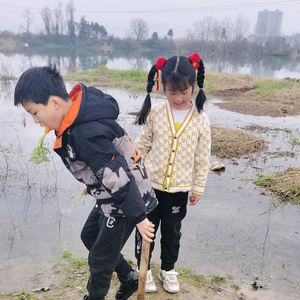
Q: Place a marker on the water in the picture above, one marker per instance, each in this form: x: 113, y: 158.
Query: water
x: 275, y: 67
x: 235, y: 229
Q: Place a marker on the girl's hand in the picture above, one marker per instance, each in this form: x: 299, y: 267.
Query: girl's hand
x: 194, y: 198
x: 84, y: 192
x: 146, y: 229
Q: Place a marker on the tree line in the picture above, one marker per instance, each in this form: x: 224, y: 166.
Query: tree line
x: 207, y: 34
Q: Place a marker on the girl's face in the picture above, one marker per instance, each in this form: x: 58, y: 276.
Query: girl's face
x: 180, y: 100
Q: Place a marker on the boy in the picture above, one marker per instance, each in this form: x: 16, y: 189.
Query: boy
x: 97, y: 151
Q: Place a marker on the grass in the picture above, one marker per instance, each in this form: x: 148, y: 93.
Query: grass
x: 271, y: 86
x: 294, y: 142
x: 285, y: 185
x: 191, y: 277
x: 134, y: 80
x: 228, y: 143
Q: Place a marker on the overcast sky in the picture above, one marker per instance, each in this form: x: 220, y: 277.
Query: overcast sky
x: 161, y: 15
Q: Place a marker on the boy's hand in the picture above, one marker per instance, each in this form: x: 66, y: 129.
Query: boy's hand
x: 194, y: 198
x: 146, y: 229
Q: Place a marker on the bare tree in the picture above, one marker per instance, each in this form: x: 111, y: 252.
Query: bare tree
x: 139, y: 28
x: 70, y: 9
x: 29, y: 19
x: 190, y: 34
x: 228, y: 29
x: 198, y: 30
x: 59, y: 19
x: 240, y: 27
x: 46, y: 17
x: 209, y: 25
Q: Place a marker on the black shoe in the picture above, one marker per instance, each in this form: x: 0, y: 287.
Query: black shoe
x: 87, y: 298
x: 128, y: 286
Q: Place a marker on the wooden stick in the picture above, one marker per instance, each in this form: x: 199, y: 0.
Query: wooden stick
x: 143, y: 269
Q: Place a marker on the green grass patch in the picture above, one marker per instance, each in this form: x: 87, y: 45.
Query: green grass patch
x: 135, y: 80
x: 218, y: 279
x: 268, y: 87
x: 285, y: 185
x: 294, y: 142
x: 191, y: 277
x: 235, y: 287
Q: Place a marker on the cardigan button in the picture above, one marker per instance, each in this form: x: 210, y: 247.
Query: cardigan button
x: 173, y: 151
x: 166, y: 188
x: 168, y: 175
x: 175, y: 137
x: 170, y: 164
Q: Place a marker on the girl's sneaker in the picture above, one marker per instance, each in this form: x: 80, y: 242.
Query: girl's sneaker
x: 150, y: 284
x: 169, y: 280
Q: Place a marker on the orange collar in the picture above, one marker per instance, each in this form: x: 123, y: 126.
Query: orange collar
x: 75, y: 96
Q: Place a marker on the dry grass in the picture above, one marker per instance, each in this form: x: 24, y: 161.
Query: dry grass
x: 286, y: 184
x: 215, y: 81
x: 246, y: 94
x: 265, y: 97
x: 228, y: 143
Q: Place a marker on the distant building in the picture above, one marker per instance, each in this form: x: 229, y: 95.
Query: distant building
x: 269, y: 22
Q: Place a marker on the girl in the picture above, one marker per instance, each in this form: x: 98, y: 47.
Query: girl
x: 175, y: 145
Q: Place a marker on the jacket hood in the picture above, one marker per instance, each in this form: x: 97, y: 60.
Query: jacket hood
x: 94, y: 104
x: 89, y: 104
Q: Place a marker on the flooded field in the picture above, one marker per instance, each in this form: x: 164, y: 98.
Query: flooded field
x: 236, y: 229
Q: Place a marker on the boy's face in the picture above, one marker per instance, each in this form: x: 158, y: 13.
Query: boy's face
x: 45, y: 115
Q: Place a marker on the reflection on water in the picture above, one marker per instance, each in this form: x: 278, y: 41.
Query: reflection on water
x: 278, y: 67
x: 235, y: 229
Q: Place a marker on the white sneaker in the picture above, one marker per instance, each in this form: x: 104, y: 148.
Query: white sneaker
x: 169, y: 280
x: 150, y: 286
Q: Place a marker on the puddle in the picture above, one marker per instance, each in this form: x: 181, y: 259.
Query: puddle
x: 233, y: 230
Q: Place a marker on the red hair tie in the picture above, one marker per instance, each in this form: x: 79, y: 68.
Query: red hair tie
x: 159, y: 65
x: 195, y: 60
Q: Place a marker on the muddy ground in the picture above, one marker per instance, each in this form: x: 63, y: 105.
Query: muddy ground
x: 67, y: 280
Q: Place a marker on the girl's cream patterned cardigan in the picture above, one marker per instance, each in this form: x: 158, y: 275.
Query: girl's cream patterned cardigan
x: 173, y: 158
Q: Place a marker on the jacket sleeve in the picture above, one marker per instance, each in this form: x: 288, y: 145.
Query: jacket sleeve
x: 144, y: 140
x: 202, y: 156
x: 111, y: 172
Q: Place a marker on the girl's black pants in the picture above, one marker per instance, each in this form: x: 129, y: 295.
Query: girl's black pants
x: 169, y: 213
x: 104, y: 238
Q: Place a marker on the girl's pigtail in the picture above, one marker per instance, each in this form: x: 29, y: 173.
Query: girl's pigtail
x: 201, y: 98
x: 144, y: 112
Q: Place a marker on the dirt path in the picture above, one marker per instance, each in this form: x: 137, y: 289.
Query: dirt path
x: 67, y: 280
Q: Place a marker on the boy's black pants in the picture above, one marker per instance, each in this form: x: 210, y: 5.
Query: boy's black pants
x: 104, y: 238
x: 169, y: 213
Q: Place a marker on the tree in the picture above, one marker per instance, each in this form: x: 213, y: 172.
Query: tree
x: 84, y: 29
x: 59, y: 20
x: 29, y: 19
x: 70, y: 9
x: 197, y: 32
x: 139, y: 28
x: 98, y: 31
x: 210, y: 24
x: 46, y: 17
x: 240, y: 27
x: 228, y: 27
x: 170, y: 33
x: 154, y: 36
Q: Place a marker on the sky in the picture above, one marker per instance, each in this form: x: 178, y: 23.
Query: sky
x: 161, y: 15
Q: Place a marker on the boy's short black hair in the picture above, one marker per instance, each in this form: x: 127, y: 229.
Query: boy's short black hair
x: 37, y: 84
